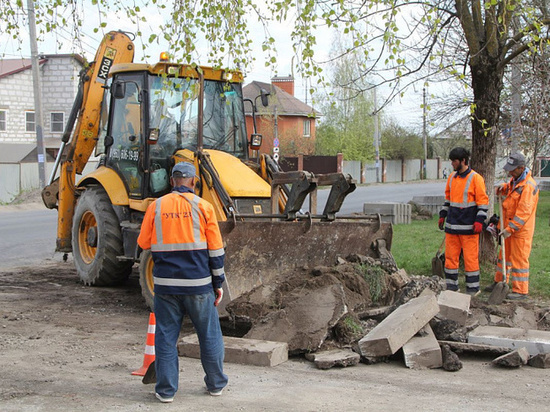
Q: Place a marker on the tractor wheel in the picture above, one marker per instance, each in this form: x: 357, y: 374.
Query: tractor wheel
x: 97, y: 240
x: 146, y: 277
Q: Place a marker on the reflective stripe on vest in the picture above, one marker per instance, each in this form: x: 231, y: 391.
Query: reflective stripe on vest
x: 182, y: 282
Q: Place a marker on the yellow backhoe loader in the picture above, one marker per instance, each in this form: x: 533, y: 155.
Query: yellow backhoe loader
x: 141, y: 119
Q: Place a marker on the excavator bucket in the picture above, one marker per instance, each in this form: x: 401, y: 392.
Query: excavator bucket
x: 264, y: 252
x: 268, y: 238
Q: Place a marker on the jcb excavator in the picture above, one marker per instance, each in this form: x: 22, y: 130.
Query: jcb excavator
x: 141, y: 119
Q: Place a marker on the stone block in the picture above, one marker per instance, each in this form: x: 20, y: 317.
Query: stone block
x: 400, y: 278
x: 535, y: 341
x: 395, y: 213
x: 422, y: 351
x: 431, y: 203
x: 454, y: 306
x: 400, y: 326
x: 336, y: 357
x: 542, y: 360
x: 239, y: 350
x: 514, y: 359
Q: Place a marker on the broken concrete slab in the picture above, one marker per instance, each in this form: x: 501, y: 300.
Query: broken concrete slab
x: 401, y: 325
x: 542, y: 360
x: 514, y: 359
x: 535, y: 341
x: 422, y: 351
x: 451, y: 361
x: 336, y: 357
x: 399, y: 278
x: 305, y: 321
x: 460, y: 347
x: 454, y: 306
x: 524, y: 319
x: 380, y: 311
x: 239, y: 350
x: 447, y: 329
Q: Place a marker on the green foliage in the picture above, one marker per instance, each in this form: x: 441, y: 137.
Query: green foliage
x: 400, y: 143
x: 376, y: 279
x: 352, y: 325
x: 414, y: 246
x: 347, y: 125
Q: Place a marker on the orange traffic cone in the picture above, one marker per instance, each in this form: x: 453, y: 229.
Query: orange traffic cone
x: 149, y: 356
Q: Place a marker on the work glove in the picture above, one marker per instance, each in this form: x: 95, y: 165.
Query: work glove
x: 219, y: 296
x: 492, y: 229
x: 499, y: 190
x: 505, y: 233
x: 478, y: 227
x: 441, y: 223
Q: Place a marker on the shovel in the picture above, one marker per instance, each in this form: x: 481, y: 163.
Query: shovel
x: 438, y: 262
x: 501, y: 289
x: 151, y: 375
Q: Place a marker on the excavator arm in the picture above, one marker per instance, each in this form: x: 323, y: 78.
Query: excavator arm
x: 116, y: 47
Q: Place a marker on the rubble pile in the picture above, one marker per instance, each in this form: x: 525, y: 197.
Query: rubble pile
x: 365, y: 309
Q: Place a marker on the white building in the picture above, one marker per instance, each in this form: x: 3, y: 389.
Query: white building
x: 18, y: 154
x: 59, y: 83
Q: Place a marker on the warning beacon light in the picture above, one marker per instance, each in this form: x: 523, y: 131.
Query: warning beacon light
x: 164, y: 56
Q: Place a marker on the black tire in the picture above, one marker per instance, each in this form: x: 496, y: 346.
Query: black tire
x: 97, y: 240
x: 146, y: 278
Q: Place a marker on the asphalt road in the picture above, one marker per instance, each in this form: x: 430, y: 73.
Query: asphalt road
x: 27, y: 236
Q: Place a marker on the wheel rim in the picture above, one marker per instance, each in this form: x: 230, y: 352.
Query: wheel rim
x: 87, y: 223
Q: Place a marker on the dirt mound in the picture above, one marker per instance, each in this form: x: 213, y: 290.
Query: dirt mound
x: 330, y: 318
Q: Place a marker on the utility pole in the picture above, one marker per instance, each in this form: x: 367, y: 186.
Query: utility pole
x: 516, y: 100
x: 516, y: 108
x: 424, y: 133
x: 37, y: 95
x: 376, y: 139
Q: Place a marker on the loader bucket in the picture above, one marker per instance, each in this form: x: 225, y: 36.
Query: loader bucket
x: 268, y: 251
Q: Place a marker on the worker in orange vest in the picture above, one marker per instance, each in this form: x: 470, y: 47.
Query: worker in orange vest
x: 462, y: 216
x: 517, y: 225
x: 183, y: 234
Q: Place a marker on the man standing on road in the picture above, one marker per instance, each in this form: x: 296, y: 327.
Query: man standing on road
x: 517, y: 225
x: 465, y: 209
x: 182, y: 232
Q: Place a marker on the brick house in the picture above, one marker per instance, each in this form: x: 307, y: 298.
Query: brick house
x: 288, y: 118
x: 59, y: 83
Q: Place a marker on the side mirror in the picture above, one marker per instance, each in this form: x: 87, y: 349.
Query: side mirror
x: 255, y: 141
x: 153, y: 136
x: 119, y: 90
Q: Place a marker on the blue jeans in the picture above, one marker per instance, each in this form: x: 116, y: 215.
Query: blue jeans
x: 169, y: 313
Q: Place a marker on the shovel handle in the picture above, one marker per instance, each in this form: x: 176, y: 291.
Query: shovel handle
x: 441, y: 247
x: 502, y: 241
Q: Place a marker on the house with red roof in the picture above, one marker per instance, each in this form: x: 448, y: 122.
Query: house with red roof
x: 286, y: 122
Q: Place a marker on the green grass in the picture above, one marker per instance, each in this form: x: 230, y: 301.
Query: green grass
x: 414, y: 246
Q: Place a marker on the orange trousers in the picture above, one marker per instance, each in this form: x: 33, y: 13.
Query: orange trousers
x: 518, y: 249
x: 469, y: 245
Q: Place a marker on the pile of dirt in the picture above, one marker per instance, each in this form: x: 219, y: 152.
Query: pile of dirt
x: 326, y: 307
x: 323, y: 306
x: 26, y: 197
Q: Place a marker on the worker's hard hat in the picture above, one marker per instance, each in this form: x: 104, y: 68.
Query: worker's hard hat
x: 184, y: 169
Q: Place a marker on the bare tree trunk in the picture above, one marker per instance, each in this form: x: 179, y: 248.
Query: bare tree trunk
x: 487, y: 86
